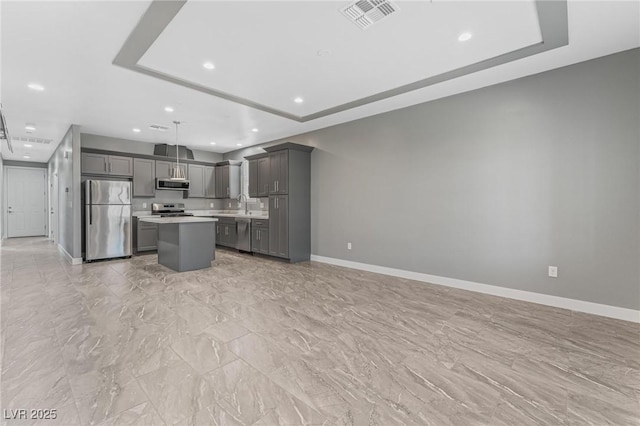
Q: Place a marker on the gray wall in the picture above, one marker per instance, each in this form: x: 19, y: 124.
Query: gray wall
x: 1, y: 198
x: 136, y: 147
x: 69, y: 207
x: 494, y: 185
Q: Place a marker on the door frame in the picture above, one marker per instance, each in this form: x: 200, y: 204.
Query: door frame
x: 52, y: 207
x: 5, y: 202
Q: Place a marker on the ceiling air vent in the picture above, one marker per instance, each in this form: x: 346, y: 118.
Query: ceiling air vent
x: 32, y: 140
x: 158, y: 127
x: 365, y: 13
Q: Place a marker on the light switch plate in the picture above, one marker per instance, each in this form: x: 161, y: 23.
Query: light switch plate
x: 211, y: 205
x: 144, y: 205
x: 553, y: 271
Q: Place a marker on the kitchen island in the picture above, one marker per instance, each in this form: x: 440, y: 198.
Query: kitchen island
x: 185, y: 243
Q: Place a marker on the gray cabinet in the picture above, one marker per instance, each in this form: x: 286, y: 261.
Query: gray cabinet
x: 144, y: 177
x: 259, y: 175
x: 102, y: 164
x: 163, y: 169
x: 209, y: 182
x: 95, y: 164
x: 120, y: 166
x: 260, y: 236
x: 289, y: 201
x: 227, y: 180
x: 253, y: 178
x: 279, y: 172
x: 263, y: 177
x: 196, y: 181
x: 279, y: 225
x: 226, y: 234
x: 147, y: 236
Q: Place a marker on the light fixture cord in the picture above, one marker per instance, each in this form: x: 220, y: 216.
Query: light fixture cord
x: 177, y: 158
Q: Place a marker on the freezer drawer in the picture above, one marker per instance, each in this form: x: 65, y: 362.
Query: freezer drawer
x: 107, y: 231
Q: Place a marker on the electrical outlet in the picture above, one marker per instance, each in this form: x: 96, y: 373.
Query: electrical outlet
x: 229, y: 205
x: 211, y: 205
x: 348, y: 246
x: 553, y: 271
x: 262, y: 205
x: 144, y: 205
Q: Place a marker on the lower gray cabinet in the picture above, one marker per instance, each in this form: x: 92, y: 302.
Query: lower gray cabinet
x: 260, y: 236
x: 226, y: 234
x: 147, y: 236
x: 279, y: 225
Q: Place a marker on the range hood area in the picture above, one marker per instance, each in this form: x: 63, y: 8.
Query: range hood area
x: 166, y: 150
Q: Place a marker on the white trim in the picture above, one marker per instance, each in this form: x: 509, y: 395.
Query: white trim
x: 70, y: 259
x: 527, y: 296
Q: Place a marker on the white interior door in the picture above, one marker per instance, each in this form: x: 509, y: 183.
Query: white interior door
x: 26, y: 202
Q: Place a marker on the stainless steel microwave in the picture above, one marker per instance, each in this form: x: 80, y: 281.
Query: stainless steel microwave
x: 175, y: 185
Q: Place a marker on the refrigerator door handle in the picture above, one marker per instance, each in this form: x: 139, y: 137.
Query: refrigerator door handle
x: 90, y: 202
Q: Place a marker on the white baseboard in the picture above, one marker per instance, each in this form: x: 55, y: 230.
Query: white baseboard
x: 71, y: 259
x: 527, y: 296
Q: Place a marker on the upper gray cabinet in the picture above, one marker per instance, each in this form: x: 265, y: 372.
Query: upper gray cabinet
x: 196, y: 181
x: 253, y: 178
x: 103, y: 164
x: 279, y: 172
x: 259, y: 175
x: 120, y: 166
x: 144, y: 177
x: 163, y: 169
x: 209, y: 182
x: 95, y: 163
x: 227, y: 180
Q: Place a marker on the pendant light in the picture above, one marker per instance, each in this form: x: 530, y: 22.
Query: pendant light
x: 176, y: 172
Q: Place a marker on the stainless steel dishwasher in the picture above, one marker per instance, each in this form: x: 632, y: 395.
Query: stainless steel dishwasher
x: 243, y: 229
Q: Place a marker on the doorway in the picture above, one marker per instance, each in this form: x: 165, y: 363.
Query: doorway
x: 26, y: 202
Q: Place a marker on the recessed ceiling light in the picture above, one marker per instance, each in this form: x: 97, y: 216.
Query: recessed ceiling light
x: 254, y: 130
x: 136, y: 130
x: 324, y: 52
x: 26, y: 145
x: 298, y: 100
x: 30, y: 127
x: 212, y: 143
x: 36, y: 87
x: 25, y: 156
x: 209, y: 65
x: 465, y: 36
x: 168, y: 109
x: 238, y: 144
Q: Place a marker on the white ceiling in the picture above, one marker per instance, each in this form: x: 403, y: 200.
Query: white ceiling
x: 265, y: 51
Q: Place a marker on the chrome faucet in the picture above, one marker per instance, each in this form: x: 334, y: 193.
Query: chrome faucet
x: 246, y: 203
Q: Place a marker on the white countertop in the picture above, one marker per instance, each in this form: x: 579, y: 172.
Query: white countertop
x: 208, y: 213
x: 177, y: 219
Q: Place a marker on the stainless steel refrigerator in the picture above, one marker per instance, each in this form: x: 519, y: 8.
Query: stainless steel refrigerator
x: 107, y: 218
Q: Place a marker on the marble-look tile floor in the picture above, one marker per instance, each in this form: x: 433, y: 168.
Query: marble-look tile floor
x: 253, y: 341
